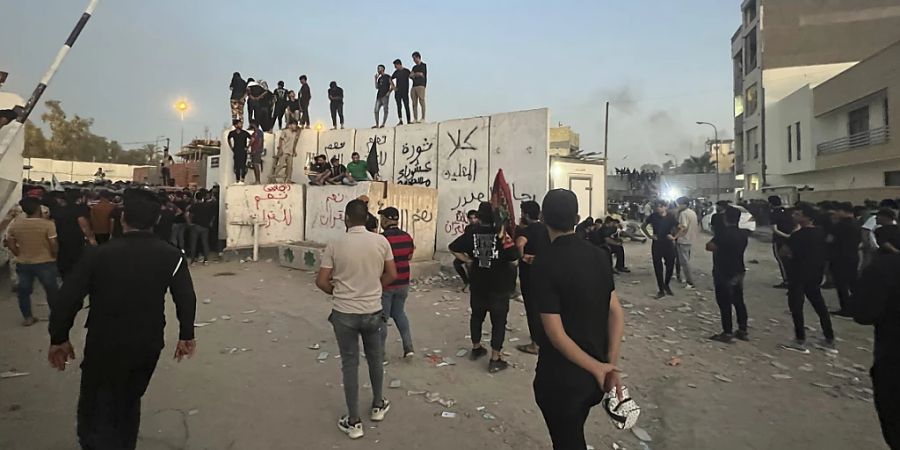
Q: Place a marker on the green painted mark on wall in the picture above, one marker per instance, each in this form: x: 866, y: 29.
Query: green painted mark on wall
x: 309, y: 258
x: 289, y: 255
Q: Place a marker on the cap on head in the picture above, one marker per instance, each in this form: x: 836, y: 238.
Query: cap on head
x: 390, y: 213
x: 560, y: 209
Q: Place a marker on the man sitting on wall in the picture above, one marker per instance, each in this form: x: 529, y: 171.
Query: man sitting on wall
x: 319, y: 171
x: 339, y: 174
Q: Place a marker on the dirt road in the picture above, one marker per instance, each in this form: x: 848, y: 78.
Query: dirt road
x: 256, y: 384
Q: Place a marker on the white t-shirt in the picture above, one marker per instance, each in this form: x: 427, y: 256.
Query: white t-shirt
x: 358, y: 262
x: 688, y: 220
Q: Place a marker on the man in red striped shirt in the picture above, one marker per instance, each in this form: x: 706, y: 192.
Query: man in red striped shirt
x: 393, y: 298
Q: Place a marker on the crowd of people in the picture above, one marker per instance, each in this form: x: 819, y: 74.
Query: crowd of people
x: 282, y: 105
x: 639, y: 180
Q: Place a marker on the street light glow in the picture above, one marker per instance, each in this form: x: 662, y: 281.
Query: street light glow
x: 181, y: 106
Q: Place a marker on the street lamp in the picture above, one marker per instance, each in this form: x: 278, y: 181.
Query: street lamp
x: 181, y: 106
x: 716, y: 144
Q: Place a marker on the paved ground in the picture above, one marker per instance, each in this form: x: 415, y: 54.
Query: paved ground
x: 255, y: 384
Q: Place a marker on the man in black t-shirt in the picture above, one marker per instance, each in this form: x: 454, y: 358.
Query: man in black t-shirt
x: 782, y: 227
x: 663, y: 248
x: 805, y: 256
x: 532, y: 241
x: 419, y: 77
x: 281, y: 99
x: 458, y: 265
x: 239, y: 142
x: 582, y: 321
x: 490, y: 251
x: 73, y: 228
x: 200, y: 217
x: 728, y: 248
x: 305, y: 98
x: 336, y: 102
x: 339, y: 174
x: 384, y: 85
x: 843, y: 242
x: 401, y: 93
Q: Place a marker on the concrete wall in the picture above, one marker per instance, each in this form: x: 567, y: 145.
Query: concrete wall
x: 325, y: 210
x: 337, y: 143
x: 76, y: 170
x: 383, y: 138
x: 278, y: 208
x: 416, y: 155
x: 797, y: 107
x: 465, y: 175
x: 517, y: 143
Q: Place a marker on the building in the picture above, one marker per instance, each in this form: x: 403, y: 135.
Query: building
x: 723, y: 152
x: 782, y: 52
x: 564, y: 141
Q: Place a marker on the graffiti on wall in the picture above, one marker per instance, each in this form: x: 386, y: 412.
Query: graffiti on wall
x: 332, y: 214
x: 270, y: 207
x: 415, y: 169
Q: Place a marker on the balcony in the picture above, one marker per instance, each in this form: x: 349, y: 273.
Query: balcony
x: 854, y: 141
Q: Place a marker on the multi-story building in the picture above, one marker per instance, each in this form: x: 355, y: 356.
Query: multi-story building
x: 721, y: 152
x: 564, y: 141
x: 783, y: 52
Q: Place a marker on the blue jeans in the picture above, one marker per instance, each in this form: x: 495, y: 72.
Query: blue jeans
x: 393, y: 302
x: 46, y: 274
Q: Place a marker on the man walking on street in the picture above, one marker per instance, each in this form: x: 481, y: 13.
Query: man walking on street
x: 688, y: 233
x: 393, y: 299
x: 239, y: 141
x: 583, y: 324
x: 490, y: 251
x: 401, y: 94
x: 728, y: 248
x: 355, y: 272
x: 843, y: 242
x: 805, y: 255
x: 305, y: 98
x: 384, y: 85
x: 663, y: 247
x: 419, y: 76
x: 33, y: 242
x: 127, y: 280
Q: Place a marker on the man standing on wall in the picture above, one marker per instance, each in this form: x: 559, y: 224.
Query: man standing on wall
x: 127, y: 281
x: 165, y: 165
x: 355, y: 273
x: 281, y: 99
x: 336, y: 104
x: 688, y: 233
x: 420, y: 80
x: 583, y: 324
x: 393, y: 299
x: 257, y: 145
x: 305, y: 97
x: 239, y: 142
x: 384, y: 85
x: 532, y: 241
x: 401, y: 94
x: 283, y: 168
x: 490, y: 251
x: 663, y: 248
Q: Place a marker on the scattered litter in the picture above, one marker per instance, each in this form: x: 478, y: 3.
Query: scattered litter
x: 810, y: 329
x: 447, y: 403
x: 193, y: 412
x: 322, y: 356
x: 201, y: 324
x: 249, y: 311
x: 779, y: 365
x: 396, y: 384
x: 462, y: 352
x: 207, y: 301
x: 247, y: 321
x: 515, y: 339
x: 672, y: 329
x: 674, y: 361
x: 641, y: 434
x: 781, y: 376
x: 685, y: 309
x: 636, y: 282
x: 774, y: 321
x: 14, y: 374
x: 432, y: 397
x: 412, y: 393
x: 692, y: 385
x: 225, y: 317
x: 723, y: 378
x: 480, y: 408
x: 823, y: 385
x: 669, y: 341
x: 314, y: 346
x: 448, y: 415
x: 806, y: 368
x: 644, y: 446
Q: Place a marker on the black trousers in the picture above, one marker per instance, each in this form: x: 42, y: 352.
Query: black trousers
x: 886, y: 385
x: 776, y: 249
x: 663, y: 251
x: 304, y: 112
x: 240, y: 168
x: 532, y: 312
x: 807, y: 286
x: 497, y: 305
x: 166, y: 175
x: 402, y: 101
x: 68, y: 255
x: 251, y: 110
x: 337, y: 111
x: 844, y: 273
x: 730, y: 294
x: 102, y: 238
x: 619, y: 252
x: 279, y: 115
x: 565, y: 410
x: 461, y: 271
x: 109, y: 405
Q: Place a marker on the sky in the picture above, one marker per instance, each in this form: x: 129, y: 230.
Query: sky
x: 663, y: 65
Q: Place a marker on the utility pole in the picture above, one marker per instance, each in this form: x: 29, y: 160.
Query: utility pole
x: 715, y: 146
x: 606, y: 139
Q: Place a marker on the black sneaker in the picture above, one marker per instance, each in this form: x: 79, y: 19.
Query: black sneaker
x: 742, y: 335
x: 781, y: 286
x: 477, y: 353
x: 660, y: 294
x: 497, y: 365
x: 841, y: 313
x: 725, y: 338
x: 669, y: 291
x: 624, y: 270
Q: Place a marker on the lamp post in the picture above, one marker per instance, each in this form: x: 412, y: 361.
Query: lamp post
x: 716, y: 148
x: 181, y: 106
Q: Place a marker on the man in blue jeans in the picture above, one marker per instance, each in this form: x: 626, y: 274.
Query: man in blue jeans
x: 354, y: 272
x: 32, y: 239
x: 393, y: 300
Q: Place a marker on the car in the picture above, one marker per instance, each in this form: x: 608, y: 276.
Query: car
x: 747, y: 222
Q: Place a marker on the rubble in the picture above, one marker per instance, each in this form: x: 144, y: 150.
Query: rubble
x: 641, y: 434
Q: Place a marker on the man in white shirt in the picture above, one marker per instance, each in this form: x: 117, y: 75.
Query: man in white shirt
x: 355, y: 271
x: 688, y: 233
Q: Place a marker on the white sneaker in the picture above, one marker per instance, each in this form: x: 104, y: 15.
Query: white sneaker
x: 409, y: 355
x: 379, y: 413
x: 689, y: 286
x: 355, y: 431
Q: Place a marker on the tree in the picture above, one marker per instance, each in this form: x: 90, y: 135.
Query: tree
x: 137, y: 157
x: 698, y: 164
x: 72, y: 139
x: 35, y: 142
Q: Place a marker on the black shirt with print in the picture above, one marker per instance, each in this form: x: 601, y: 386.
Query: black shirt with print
x: 281, y: 97
x: 493, y: 271
x: 383, y: 85
x: 573, y: 279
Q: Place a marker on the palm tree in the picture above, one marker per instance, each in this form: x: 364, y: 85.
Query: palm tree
x: 698, y: 164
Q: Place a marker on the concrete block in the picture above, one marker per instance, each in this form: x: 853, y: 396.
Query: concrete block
x: 301, y: 255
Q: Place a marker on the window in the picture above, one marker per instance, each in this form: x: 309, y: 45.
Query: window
x: 887, y: 115
x: 859, y: 120
x: 797, y: 134
x: 754, y: 183
x: 752, y: 100
x: 753, y: 142
x: 738, y: 68
x: 892, y: 178
x: 790, y: 142
x: 750, y: 52
x: 750, y: 12
x: 738, y: 105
